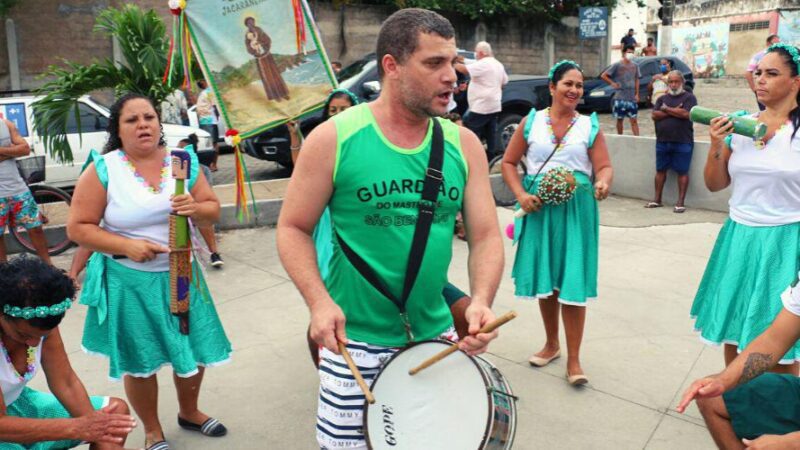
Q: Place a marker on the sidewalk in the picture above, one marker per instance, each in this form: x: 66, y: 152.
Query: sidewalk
x: 639, y: 349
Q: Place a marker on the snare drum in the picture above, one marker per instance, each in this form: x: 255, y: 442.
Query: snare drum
x: 459, y: 403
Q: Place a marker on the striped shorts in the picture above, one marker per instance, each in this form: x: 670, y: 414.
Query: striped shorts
x: 340, y: 414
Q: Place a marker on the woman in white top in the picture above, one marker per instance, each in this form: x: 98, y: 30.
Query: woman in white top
x: 120, y: 211
x: 35, y: 298
x: 757, y: 253
x: 556, y: 259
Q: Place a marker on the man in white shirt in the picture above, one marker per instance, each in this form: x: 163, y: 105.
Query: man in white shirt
x: 744, y: 408
x: 488, y: 76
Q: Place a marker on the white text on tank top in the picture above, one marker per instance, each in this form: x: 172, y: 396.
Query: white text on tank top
x: 765, y: 183
x: 10, y: 383
x: 11, y: 183
x: 573, y: 153
x: 134, y: 212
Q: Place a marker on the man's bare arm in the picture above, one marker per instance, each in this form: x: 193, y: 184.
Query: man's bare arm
x: 18, y: 147
x: 486, y: 255
x: 306, y: 197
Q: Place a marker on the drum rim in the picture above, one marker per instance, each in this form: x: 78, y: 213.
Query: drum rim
x: 489, y: 415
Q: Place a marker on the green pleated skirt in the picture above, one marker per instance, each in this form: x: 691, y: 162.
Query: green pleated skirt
x: 130, y: 323
x: 740, y: 293
x: 557, y: 247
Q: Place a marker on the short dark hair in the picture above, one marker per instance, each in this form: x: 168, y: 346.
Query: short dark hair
x: 628, y: 47
x: 650, y: 39
x: 771, y: 37
x: 630, y: 29
x: 28, y: 282
x: 399, y: 35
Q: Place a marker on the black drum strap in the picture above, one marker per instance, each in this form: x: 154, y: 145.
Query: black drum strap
x: 427, y: 208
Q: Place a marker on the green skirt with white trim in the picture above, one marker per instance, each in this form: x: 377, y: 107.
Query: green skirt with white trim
x: 130, y: 323
x: 557, y: 247
x: 740, y: 293
x: 33, y: 404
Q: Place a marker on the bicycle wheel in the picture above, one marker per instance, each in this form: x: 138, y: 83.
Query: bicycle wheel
x: 53, y: 206
x: 503, y: 196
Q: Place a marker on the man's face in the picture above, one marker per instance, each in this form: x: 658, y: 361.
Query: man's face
x: 425, y: 80
x: 630, y: 33
x: 675, y: 83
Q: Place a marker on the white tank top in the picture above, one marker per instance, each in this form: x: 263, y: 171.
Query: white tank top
x: 765, y: 183
x: 10, y: 383
x: 134, y: 211
x: 573, y: 153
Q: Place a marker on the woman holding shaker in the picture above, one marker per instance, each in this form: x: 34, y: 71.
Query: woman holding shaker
x: 757, y: 254
x: 556, y: 259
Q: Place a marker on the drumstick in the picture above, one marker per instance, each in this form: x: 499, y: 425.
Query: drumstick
x: 356, y: 373
x: 488, y: 328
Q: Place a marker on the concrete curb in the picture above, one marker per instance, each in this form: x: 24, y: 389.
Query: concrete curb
x: 267, y: 212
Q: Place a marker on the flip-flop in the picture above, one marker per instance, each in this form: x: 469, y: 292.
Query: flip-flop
x: 160, y: 445
x: 211, y: 427
x: 679, y: 209
x: 653, y: 205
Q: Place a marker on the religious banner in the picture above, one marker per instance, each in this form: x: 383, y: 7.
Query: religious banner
x: 263, y: 59
x: 703, y: 48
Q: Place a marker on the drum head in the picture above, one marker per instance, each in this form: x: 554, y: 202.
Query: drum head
x: 444, y: 406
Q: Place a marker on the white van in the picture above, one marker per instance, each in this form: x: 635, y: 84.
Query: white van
x: 94, y: 120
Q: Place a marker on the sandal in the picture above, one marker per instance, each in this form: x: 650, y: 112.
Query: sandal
x: 160, y: 445
x: 211, y: 427
x: 679, y: 209
x: 653, y: 205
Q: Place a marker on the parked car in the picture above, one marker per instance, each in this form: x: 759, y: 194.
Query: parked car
x: 360, y: 77
x: 598, y: 95
x: 90, y: 135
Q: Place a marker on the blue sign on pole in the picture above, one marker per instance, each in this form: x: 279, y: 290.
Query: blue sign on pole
x: 593, y: 22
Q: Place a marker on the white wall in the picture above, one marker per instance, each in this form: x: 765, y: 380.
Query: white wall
x: 634, y: 162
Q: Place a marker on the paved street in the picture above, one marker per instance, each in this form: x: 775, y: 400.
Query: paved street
x: 639, y: 349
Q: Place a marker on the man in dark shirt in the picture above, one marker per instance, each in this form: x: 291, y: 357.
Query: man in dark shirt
x: 628, y: 39
x: 674, y: 138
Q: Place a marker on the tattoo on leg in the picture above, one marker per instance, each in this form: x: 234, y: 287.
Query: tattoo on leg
x: 756, y: 364
x: 717, y: 154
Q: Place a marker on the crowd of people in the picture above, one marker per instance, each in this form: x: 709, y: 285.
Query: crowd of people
x: 366, y: 298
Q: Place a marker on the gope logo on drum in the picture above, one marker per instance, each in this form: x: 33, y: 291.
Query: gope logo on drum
x: 388, y: 425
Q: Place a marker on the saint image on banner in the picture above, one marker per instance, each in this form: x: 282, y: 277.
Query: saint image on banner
x: 258, y: 44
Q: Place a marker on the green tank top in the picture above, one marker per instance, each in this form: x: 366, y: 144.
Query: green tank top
x: 376, y: 188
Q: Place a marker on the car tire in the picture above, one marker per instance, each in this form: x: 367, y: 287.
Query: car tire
x: 506, y: 127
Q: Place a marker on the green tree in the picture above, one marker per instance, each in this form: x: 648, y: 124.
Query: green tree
x: 144, y: 45
x: 5, y: 6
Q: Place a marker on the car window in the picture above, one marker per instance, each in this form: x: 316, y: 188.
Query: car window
x: 353, y: 69
x: 16, y: 114
x: 649, y: 68
x: 91, y: 121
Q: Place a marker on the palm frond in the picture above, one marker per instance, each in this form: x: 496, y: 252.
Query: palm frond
x: 144, y: 44
x: 59, y: 101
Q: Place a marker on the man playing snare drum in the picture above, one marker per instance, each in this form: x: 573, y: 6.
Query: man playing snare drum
x: 17, y: 206
x: 369, y: 164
